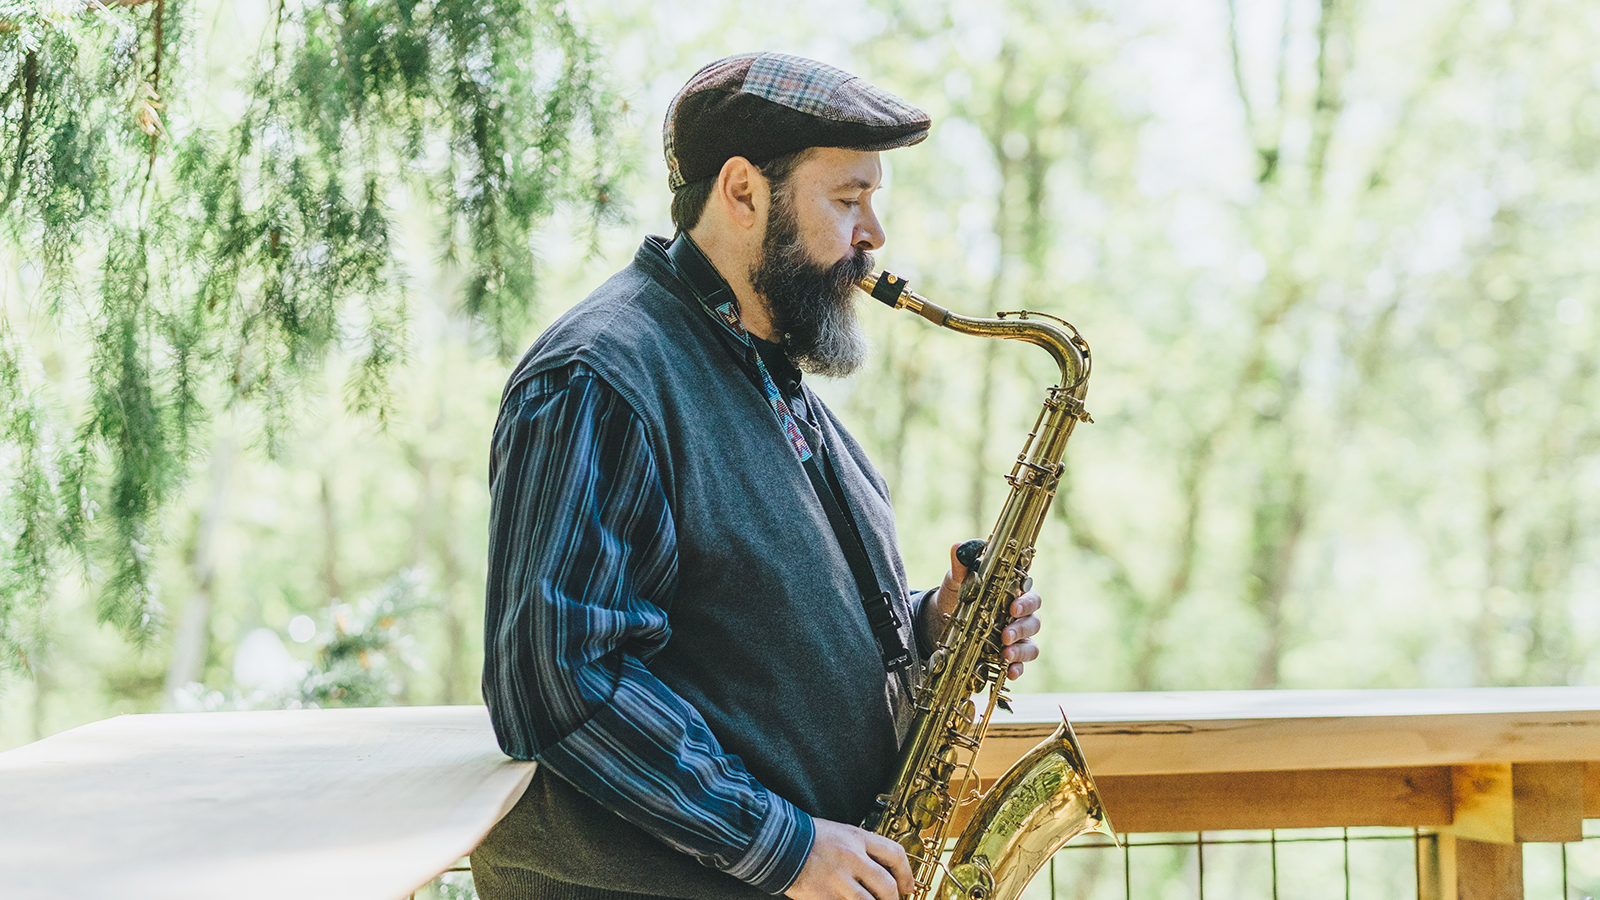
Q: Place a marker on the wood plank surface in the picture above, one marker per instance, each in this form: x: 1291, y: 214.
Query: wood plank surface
x: 1255, y: 731
x: 1485, y: 807
x: 1488, y: 871
x: 1436, y: 867
x: 1221, y: 801
x: 1548, y: 801
x: 1591, y: 790
x: 349, y: 803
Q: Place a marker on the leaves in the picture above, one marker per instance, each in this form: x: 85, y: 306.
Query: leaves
x: 225, y: 259
x: 33, y: 502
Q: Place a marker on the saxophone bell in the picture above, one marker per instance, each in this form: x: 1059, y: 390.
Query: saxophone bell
x: 1045, y: 800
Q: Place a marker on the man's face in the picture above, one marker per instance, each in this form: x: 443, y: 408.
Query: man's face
x: 820, y: 229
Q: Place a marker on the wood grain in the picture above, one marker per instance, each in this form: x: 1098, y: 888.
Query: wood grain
x: 1591, y: 790
x: 1484, y: 806
x: 1254, y: 731
x: 1488, y: 871
x: 1548, y: 800
x: 1455, y: 868
x: 1406, y: 797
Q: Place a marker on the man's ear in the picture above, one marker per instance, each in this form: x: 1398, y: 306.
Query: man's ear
x: 742, y: 191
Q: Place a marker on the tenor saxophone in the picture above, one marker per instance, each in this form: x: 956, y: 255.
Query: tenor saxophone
x: 1048, y: 797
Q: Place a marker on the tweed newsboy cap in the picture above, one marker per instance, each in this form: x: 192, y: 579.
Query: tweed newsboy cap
x: 763, y: 105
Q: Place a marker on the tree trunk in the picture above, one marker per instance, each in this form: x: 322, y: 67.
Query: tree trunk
x: 191, y: 640
x: 330, y: 543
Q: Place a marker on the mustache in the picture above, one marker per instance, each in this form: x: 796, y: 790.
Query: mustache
x: 844, y: 274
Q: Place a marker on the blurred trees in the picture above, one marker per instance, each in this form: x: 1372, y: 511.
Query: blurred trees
x: 1302, y: 238
x: 225, y: 253
x: 1333, y: 259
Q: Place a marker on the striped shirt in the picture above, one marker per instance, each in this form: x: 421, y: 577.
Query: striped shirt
x: 582, y: 566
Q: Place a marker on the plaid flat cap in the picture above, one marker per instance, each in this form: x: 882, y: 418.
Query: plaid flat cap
x: 763, y: 105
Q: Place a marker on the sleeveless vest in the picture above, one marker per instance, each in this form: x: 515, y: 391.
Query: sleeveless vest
x: 768, y: 637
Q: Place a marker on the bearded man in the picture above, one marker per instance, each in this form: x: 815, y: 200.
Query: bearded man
x: 697, y: 617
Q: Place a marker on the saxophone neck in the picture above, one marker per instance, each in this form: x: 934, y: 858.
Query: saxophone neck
x: 1058, y: 337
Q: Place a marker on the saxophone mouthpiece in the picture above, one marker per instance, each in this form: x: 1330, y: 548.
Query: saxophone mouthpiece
x: 885, y: 287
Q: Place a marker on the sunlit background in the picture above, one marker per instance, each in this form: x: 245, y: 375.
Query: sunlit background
x: 1342, y: 309
x: 1339, y: 278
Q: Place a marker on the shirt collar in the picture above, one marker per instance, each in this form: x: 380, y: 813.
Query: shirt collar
x: 689, y: 262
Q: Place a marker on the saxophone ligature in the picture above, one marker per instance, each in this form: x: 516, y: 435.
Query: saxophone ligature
x: 1048, y: 797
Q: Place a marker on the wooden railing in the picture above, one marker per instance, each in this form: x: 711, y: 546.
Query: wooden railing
x: 374, y: 803
x: 1482, y: 771
x: 359, y: 804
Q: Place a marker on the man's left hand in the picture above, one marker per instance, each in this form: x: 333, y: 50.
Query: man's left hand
x: 1018, y: 636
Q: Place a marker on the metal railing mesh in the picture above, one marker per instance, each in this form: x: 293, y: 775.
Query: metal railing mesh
x: 1302, y: 864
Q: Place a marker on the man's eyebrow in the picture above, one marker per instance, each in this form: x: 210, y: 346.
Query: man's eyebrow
x: 860, y: 184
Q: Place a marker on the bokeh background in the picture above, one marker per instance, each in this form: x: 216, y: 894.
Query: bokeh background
x: 1337, y: 271
x: 1337, y: 262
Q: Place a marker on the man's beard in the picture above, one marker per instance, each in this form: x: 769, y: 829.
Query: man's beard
x: 812, y: 305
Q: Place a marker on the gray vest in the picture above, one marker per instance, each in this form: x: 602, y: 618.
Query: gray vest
x: 768, y: 638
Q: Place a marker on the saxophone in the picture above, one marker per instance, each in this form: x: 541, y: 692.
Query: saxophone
x: 1048, y: 797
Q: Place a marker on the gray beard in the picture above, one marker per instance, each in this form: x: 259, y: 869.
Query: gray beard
x: 812, y: 306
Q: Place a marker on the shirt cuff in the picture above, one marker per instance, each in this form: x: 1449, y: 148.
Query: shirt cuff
x: 925, y: 645
x: 779, y: 850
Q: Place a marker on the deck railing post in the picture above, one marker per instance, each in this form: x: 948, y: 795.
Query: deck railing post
x: 1456, y: 868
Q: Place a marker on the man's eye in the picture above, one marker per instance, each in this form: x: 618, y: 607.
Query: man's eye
x: 851, y: 202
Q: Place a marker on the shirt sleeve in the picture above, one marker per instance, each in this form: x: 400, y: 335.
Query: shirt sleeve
x: 582, y: 567
x: 926, y: 643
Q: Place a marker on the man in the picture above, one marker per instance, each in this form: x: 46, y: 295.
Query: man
x: 697, y: 618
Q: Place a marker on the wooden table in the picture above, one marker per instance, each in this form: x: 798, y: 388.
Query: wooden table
x: 347, y: 803
x: 373, y: 803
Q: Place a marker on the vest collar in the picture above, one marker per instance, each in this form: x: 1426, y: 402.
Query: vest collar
x: 689, y: 262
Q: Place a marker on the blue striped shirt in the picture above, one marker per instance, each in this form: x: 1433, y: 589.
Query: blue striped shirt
x: 582, y: 566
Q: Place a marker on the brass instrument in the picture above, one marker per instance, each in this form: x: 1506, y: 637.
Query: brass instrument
x: 1047, y: 798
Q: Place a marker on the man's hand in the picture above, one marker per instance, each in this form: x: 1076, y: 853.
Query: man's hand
x: 1018, y: 636
x: 850, y: 863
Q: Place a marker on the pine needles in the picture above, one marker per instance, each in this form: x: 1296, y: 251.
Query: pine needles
x: 214, y: 264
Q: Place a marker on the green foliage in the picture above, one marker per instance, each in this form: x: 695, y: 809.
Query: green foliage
x: 1337, y: 281
x: 30, y: 519
x: 1333, y: 262
x: 364, y: 657
x: 222, y: 260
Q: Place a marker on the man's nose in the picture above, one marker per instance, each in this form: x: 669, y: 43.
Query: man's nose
x: 869, y: 232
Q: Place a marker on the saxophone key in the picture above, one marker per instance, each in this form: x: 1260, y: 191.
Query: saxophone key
x: 970, y: 553
x: 927, y: 807
x: 959, y: 738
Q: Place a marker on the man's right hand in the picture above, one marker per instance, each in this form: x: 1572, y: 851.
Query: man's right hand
x: 850, y: 863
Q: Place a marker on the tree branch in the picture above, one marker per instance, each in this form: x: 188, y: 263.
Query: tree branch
x: 1334, y: 48
x: 1266, y: 151
x: 30, y: 85
x: 157, y: 19
x: 88, y: 7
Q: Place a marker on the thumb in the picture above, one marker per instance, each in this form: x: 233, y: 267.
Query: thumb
x: 958, y: 572
x: 950, y: 589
